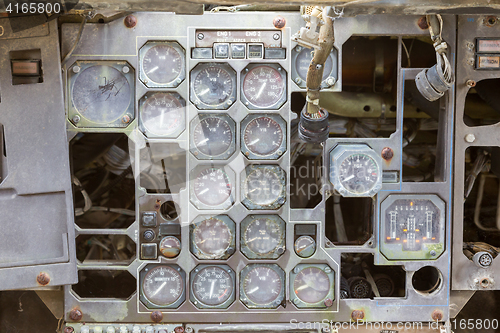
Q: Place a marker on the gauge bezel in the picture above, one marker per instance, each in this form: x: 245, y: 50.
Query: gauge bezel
x: 328, y: 82
x: 281, y: 149
x: 144, y: 128
x: 305, y: 237
x: 128, y: 113
x: 232, y: 147
x: 194, y: 98
x: 144, y: 77
x: 197, y: 252
x: 277, y: 301
x: 394, y: 251
x: 339, y: 154
x: 150, y: 305
x: 279, y: 103
x: 249, y: 204
x: 170, y: 237
x: 277, y: 251
x: 192, y: 179
x: 198, y: 303
x: 318, y: 305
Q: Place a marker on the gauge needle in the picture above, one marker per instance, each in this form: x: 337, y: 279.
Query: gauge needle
x: 251, y: 240
x: 349, y: 178
x: 153, y: 69
x: 304, y: 286
x: 204, y: 92
x: 253, y: 290
x: 253, y: 142
x: 211, y: 289
x: 260, y: 90
x: 203, y: 141
x: 204, y: 191
x: 158, y: 290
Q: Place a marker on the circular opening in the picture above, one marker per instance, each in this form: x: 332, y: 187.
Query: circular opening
x: 492, y: 20
x: 101, y: 20
x: 427, y: 280
x: 169, y: 210
x: 393, y: 108
x: 485, y: 283
x: 366, y: 108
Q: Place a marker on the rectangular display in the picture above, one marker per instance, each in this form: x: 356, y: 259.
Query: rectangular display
x: 488, y: 45
x: 488, y: 62
x: 206, y: 38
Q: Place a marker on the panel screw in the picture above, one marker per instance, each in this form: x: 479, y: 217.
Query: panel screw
x: 76, y: 69
x: 76, y: 119
x: 75, y: 315
x: 68, y: 329
x: 276, y: 36
x: 330, y: 81
x: 200, y: 36
x: 43, y: 279
x: 296, y: 270
x: 490, y: 21
x: 229, y: 102
x: 126, y: 119
x: 179, y: 329
x: 327, y: 270
x: 328, y: 302
x: 387, y: 153
x: 279, y: 22
x: 437, y: 315
x: 298, y: 80
x: 470, y: 138
x: 471, y: 83
x: 433, y: 253
x: 125, y: 69
x: 422, y: 23
x: 130, y: 21
x: 357, y: 315
x: 156, y: 316
x: 470, y: 61
x: 470, y: 46
x: 188, y: 330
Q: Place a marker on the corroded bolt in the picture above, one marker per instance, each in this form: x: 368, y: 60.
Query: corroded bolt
x: 75, y: 315
x: 179, y: 329
x: 357, y: 315
x: 130, y: 21
x: 471, y: 83
x: 328, y: 302
x: 156, y: 316
x: 68, y: 329
x: 422, y: 23
x: 126, y: 119
x: 387, y: 153
x: 279, y: 22
x: 157, y: 204
x: 43, y: 279
x: 437, y: 315
x: 490, y: 21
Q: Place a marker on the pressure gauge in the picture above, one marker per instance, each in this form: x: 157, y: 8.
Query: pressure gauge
x: 213, y: 86
x: 263, y: 187
x: 312, y: 285
x: 263, y: 86
x: 162, y: 114
x: 301, y: 59
x: 413, y: 227
x: 262, y: 237
x: 162, y: 64
x: 305, y: 246
x: 212, y: 187
x: 213, y: 136
x: 263, y: 137
x: 212, y: 286
x: 212, y: 237
x: 170, y: 246
x: 355, y: 170
x: 262, y: 286
x: 162, y: 286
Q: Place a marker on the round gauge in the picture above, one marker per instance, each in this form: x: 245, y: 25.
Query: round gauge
x: 163, y: 285
x: 170, y: 246
x: 213, y: 85
x: 263, y: 86
x: 212, y: 186
x: 305, y: 246
x: 213, y: 136
x: 163, y: 114
x: 311, y: 285
x: 304, y: 59
x: 101, y: 94
x: 263, y: 136
x: 212, y: 285
x: 212, y: 237
x: 262, y: 285
x: 263, y: 235
x: 358, y: 173
x: 263, y: 186
x: 162, y: 63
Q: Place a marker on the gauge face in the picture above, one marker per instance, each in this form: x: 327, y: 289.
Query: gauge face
x: 263, y: 86
x: 305, y: 246
x: 101, y: 94
x: 212, y: 186
x: 358, y: 173
x: 212, y: 285
x: 263, y: 186
x: 263, y: 235
x: 311, y: 285
x: 163, y: 114
x: 163, y: 285
x: 213, y: 136
x: 263, y: 136
x: 304, y: 59
x: 212, y: 237
x: 213, y: 85
x: 162, y: 63
x: 170, y: 246
x: 262, y: 285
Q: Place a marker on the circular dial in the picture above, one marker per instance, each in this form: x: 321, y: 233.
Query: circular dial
x: 262, y: 285
x: 304, y: 59
x: 213, y: 85
x: 263, y: 136
x: 263, y: 235
x: 263, y: 86
x: 212, y: 285
x: 163, y: 114
x: 263, y: 186
x: 170, y: 246
x: 212, y: 186
x: 101, y: 94
x: 212, y: 237
x: 213, y: 136
x: 163, y: 285
x: 305, y: 246
x: 358, y: 173
x: 311, y: 285
x: 162, y: 63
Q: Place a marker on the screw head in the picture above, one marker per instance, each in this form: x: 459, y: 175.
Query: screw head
x: 387, y: 153
x: 276, y: 36
x: 470, y: 46
x: 433, y: 253
x: 43, y: 279
x: 125, y: 69
x: 126, y: 119
x: 437, y: 315
x: 75, y: 315
x: 470, y: 138
x: 76, y: 69
x: 471, y: 83
x: 327, y: 269
x: 130, y: 21
x: 76, y: 119
x: 330, y: 81
x: 298, y: 80
x: 328, y: 302
x: 229, y: 102
x: 357, y: 315
x: 279, y: 22
x: 200, y: 36
x: 156, y: 316
x: 296, y: 270
x: 68, y: 329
